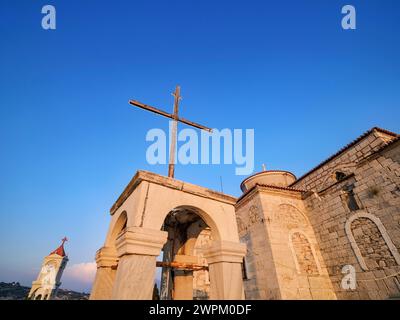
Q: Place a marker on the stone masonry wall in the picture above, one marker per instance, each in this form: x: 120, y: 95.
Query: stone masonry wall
x: 304, y: 255
x: 371, y: 242
x: 283, y: 259
x: 372, y: 245
x: 260, y: 280
x: 201, y: 278
x: 345, y: 162
x: 297, y: 260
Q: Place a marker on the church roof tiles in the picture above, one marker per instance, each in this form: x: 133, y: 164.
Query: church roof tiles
x: 60, y: 250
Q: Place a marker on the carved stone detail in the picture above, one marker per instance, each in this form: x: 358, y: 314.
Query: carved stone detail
x: 289, y: 216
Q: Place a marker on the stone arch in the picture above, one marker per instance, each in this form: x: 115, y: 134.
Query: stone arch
x: 191, y: 227
x: 120, y: 224
x: 346, y: 168
x: 34, y: 294
x: 371, y: 222
x: 184, y: 226
x: 304, y: 254
x: 148, y: 199
x: 205, y: 216
x: 290, y: 216
x: 38, y: 294
x: 194, y: 233
x: 183, y: 251
x: 107, y: 259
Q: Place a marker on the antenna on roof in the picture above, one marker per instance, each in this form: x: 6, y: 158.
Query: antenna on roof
x: 220, y: 180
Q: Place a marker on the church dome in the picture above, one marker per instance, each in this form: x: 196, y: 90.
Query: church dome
x: 277, y: 178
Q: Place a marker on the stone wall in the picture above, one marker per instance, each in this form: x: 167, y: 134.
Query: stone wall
x: 283, y: 259
x: 345, y: 162
x: 373, y: 247
x: 299, y: 243
x: 297, y: 259
x: 201, y: 278
x: 304, y: 254
x: 363, y: 232
x: 260, y: 281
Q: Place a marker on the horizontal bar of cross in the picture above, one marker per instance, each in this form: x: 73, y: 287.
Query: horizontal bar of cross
x: 168, y: 115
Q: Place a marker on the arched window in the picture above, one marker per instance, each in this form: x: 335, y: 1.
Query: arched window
x: 339, y: 175
x: 303, y: 254
x: 349, y: 198
x: 370, y: 242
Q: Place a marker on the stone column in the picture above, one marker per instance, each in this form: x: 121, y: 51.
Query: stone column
x: 224, y: 260
x: 137, y: 249
x: 183, y: 285
x: 183, y: 279
x: 107, y: 261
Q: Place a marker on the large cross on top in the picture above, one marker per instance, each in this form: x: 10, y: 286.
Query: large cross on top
x: 175, y: 117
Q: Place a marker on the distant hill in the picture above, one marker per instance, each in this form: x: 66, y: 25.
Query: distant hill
x: 14, y: 291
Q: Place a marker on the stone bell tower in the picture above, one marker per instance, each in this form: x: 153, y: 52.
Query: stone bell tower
x: 46, y: 285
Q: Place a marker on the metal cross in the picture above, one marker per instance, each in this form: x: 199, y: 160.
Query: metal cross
x: 175, y: 117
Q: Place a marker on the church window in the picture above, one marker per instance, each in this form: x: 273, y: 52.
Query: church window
x: 350, y: 198
x: 340, y: 176
x: 372, y: 245
x: 303, y: 253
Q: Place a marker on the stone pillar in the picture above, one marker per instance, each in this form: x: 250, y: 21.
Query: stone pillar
x: 183, y: 285
x: 183, y: 279
x: 137, y: 249
x: 224, y: 259
x: 107, y: 261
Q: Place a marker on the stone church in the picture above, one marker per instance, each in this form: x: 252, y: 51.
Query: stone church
x: 333, y: 233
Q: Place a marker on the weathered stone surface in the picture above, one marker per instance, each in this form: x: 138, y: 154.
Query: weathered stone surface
x: 295, y: 239
x: 135, y: 278
x: 373, y: 177
x: 135, y: 236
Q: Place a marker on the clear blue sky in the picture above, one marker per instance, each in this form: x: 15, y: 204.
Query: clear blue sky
x: 70, y: 142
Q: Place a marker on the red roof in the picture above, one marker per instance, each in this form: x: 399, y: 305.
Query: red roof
x: 60, y: 250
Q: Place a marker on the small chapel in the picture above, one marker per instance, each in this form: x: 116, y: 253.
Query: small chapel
x: 333, y: 233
